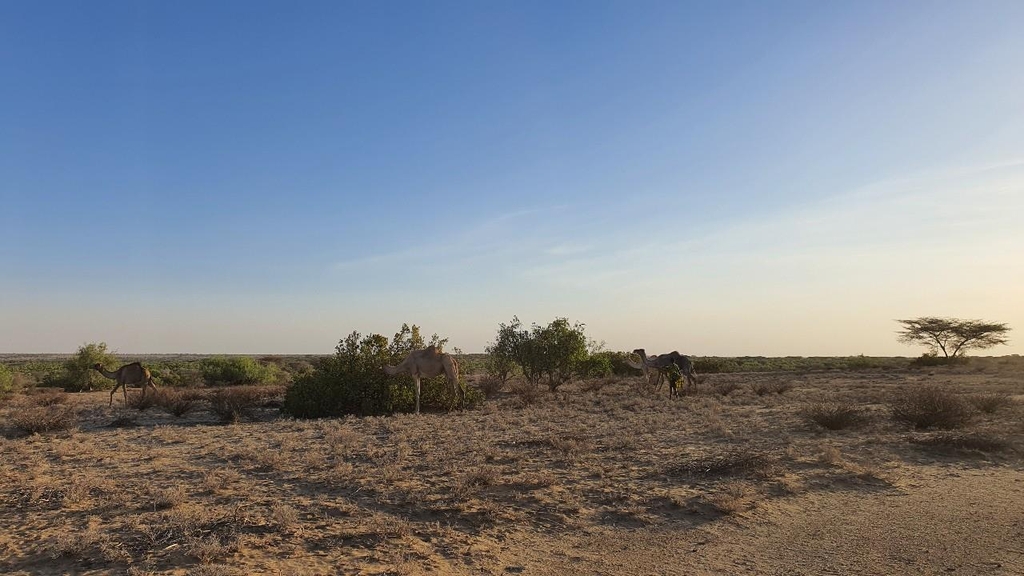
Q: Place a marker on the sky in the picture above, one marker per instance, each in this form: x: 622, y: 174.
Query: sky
x: 719, y: 178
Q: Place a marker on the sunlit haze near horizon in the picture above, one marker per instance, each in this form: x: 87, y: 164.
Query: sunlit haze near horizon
x: 718, y: 178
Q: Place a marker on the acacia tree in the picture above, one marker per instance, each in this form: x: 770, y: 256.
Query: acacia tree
x: 952, y: 336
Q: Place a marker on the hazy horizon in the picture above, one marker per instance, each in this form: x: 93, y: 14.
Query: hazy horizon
x: 722, y: 179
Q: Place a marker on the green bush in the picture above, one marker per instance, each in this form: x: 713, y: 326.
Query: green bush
x: 597, y: 365
x: 79, y: 375
x: 6, y: 379
x: 353, y: 380
x: 237, y: 371
x: 554, y: 352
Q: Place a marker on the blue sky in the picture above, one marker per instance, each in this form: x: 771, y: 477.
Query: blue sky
x: 721, y: 178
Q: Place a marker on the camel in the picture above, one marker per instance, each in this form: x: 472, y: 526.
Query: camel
x: 133, y: 374
x: 662, y: 363
x: 428, y: 363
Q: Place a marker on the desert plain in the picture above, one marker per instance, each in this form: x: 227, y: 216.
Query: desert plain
x: 608, y: 476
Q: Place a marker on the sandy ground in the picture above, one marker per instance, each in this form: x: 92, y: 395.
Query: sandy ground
x: 604, y: 478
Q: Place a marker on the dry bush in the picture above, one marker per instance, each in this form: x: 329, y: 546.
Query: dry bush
x: 124, y: 421
x: 50, y: 398
x: 142, y: 401
x: 284, y: 517
x: 467, y: 483
x: 733, y: 498
x: 834, y: 415
x: 490, y: 385
x: 210, y: 570
x: 527, y: 393
x: 40, y: 419
x: 177, y: 402
x: 218, y: 479
x: 736, y: 462
x: 930, y: 407
x: 725, y: 388
x: 594, y: 385
x: 387, y: 526
x: 73, y: 544
x: 990, y: 403
x: 210, y: 549
x: 167, y: 498
x: 977, y: 441
x: 238, y: 403
x: 773, y: 387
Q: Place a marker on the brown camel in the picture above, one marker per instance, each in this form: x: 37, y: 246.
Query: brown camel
x: 660, y: 366
x: 133, y: 374
x: 428, y: 363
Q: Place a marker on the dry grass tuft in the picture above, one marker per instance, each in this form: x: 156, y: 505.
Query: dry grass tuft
x: 725, y: 388
x: 178, y: 402
x: 73, y: 544
x: 142, y: 401
x: 41, y: 419
x: 528, y: 394
x: 930, y: 407
x: 773, y: 387
x: 490, y: 386
x: 167, y: 498
x: 240, y: 402
x: 990, y: 403
x: 284, y: 517
x: 469, y: 482
x: 732, y: 463
x: 210, y: 549
x: 124, y: 421
x: 972, y: 441
x: 834, y: 415
x: 733, y: 498
x: 50, y: 398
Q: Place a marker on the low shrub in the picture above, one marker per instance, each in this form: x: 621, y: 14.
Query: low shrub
x: 773, y: 387
x: 39, y: 419
x: 933, y: 359
x: 730, y: 463
x: 143, y: 400
x: 49, y: 398
x: 353, y: 381
x: 990, y: 403
x: 834, y: 415
x: 237, y: 371
x: 239, y: 403
x: 930, y: 407
x: 6, y: 379
x: 528, y: 393
x: 177, y: 402
x: 78, y: 374
x: 977, y: 441
x: 725, y: 388
x: 489, y: 386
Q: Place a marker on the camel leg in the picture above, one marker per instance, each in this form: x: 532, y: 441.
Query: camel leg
x: 114, y: 391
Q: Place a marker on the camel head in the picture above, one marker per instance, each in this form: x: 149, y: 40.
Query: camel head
x: 390, y: 370
x: 97, y: 366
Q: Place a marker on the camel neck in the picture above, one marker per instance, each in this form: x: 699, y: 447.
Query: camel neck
x: 111, y: 375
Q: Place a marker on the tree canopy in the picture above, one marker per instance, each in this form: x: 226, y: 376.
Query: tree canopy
x: 952, y: 336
